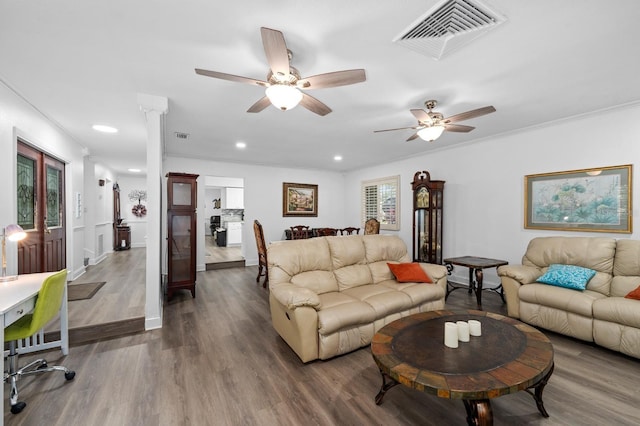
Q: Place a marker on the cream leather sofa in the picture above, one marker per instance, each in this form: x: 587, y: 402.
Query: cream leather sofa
x: 599, y: 314
x: 329, y: 295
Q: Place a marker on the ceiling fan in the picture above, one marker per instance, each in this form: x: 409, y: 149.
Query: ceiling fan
x: 431, y: 124
x: 283, y: 84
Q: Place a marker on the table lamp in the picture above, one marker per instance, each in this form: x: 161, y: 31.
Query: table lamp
x: 11, y: 232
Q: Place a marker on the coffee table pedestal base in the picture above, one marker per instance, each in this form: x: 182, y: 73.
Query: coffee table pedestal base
x: 479, y: 412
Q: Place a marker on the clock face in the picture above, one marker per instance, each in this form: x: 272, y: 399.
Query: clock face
x: 422, y: 198
x: 139, y: 210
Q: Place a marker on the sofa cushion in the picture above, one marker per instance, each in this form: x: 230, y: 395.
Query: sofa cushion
x: 595, y: 253
x: 409, y: 272
x: 340, y: 311
x: 618, y: 310
x: 419, y: 293
x: 305, y: 263
x: 579, y: 302
x: 382, y: 299
x: 385, y: 248
x: 567, y: 276
x: 352, y: 276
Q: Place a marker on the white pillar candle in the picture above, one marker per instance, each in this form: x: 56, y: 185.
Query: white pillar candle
x: 463, y: 331
x: 475, y: 328
x: 450, y: 334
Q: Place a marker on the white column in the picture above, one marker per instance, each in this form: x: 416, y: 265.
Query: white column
x: 154, y: 108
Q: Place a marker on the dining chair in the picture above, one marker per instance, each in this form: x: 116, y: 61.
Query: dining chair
x: 349, y: 231
x: 371, y: 226
x: 262, y: 254
x: 299, y: 232
x: 47, y: 306
x: 326, y: 232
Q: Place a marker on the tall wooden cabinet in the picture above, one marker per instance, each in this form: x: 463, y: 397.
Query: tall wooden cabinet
x: 181, y: 232
x: 427, y: 218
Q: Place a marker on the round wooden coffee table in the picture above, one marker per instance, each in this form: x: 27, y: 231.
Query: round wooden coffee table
x: 509, y: 357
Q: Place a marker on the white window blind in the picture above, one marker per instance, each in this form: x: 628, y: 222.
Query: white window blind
x: 381, y: 200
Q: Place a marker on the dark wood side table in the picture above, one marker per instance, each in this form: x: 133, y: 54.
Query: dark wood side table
x: 475, y: 265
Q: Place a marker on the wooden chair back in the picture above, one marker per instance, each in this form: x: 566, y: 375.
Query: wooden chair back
x: 262, y: 253
x: 299, y: 232
x: 325, y: 232
x: 349, y: 230
x: 372, y: 226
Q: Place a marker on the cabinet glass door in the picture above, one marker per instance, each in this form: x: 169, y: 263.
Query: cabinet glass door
x: 181, y: 249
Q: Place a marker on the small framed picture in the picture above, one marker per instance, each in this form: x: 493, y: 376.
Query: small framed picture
x: 299, y: 199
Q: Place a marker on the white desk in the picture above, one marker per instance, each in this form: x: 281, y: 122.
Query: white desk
x: 17, y: 298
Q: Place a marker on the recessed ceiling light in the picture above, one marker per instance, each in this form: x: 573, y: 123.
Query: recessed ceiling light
x: 104, y: 129
x: 134, y: 170
x: 338, y: 158
x: 241, y: 145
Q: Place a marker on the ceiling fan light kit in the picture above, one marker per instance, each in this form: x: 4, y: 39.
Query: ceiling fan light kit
x: 432, y: 124
x: 284, y: 86
x: 431, y: 133
x: 283, y: 96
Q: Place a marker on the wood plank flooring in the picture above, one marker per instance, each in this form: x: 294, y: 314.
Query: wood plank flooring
x: 218, y: 361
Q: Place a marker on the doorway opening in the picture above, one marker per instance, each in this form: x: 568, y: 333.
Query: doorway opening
x: 224, y: 222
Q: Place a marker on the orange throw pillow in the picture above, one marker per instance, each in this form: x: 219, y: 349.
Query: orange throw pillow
x: 409, y: 273
x: 634, y: 294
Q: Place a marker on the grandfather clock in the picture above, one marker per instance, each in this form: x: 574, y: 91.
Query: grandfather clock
x: 181, y: 232
x: 427, y: 218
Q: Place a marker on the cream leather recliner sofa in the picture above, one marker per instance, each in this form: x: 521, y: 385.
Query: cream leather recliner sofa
x: 599, y: 314
x: 329, y: 295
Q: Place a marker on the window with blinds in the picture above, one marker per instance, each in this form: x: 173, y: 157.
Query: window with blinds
x: 381, y: 200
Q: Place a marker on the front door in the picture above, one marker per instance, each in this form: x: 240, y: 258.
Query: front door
x: 40, y: 190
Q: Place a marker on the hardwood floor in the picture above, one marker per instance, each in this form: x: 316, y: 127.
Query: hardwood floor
x: 218, y: 361
x: 215, y: 254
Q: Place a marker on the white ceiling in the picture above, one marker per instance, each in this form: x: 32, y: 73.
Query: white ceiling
x: 84, y: 62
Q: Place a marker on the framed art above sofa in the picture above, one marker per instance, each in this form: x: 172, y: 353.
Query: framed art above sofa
x: 597, y: 200
x: 299, y: 199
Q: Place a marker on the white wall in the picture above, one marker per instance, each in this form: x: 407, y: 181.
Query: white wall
x: 263, y: 199
x: 19, y: 119
x: 137, y: 224
x: 484, y: 189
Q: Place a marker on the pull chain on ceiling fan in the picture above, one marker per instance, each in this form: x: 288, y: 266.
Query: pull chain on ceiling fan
x: 284, y: 86
x: 432, y: 124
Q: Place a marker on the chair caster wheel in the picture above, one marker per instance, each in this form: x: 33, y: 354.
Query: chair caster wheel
x: 15, y: 409
x: 70, y: 375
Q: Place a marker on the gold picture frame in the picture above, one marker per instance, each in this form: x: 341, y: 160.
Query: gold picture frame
x: 299, y: 199
x: 591, y: 200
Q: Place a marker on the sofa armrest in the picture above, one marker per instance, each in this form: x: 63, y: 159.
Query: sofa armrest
x: 521, y: 273
x: 293, y: 296
x: 438, y: 273
x: 511, y: 278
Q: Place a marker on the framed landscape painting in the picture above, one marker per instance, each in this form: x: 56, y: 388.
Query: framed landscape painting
x: 299, y: 199
x: 596, y: 200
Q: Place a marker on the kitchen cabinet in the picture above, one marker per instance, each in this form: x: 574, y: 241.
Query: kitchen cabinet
x: 234, y: 233
x: 181, y: 232
x: 234, y: 198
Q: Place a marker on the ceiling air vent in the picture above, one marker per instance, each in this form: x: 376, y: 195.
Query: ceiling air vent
x: 181, y: 135
x: 448, y: 26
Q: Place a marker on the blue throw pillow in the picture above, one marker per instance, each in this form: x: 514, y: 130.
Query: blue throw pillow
x: 568, y: 276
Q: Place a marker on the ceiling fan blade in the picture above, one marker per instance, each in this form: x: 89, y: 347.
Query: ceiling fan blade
x: 399, y: 128
x: 470, y: 114
x: 260, y: 105
x: 276, y: 51
x: 412, y: 137
x: 231, y: 77
x: 458, y: 128
x: 333, y: 79
x: 314, y: 105
x: 422, y: 116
